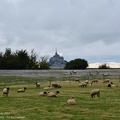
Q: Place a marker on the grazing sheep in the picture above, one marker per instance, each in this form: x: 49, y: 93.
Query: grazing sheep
x: 22, y: 90
x: 56, y: 85
x: 37, y: 84
x: 80, y: 85
x: 71, y: 101
x: 48, y: 88
x: 83, y: 84
x: 105, y: 76
x: 93, y: 81
x: 111, y: 82
x: 52, y: 94
x: 76, y: 80
x: 42, y: 93
x: 110, y: 85
x: 86, y: 81
x: 5, y: 91
x: 95, y: 92
x: 106, y: 81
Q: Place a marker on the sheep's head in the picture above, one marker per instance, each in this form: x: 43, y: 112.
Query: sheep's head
x: 57, y: 92
x: 73, y: 98
x: 109, y: 85
x: 45, y: 92
x: 92, y: 95
x: 25, y: 88
x: 8, y: 88
x: 111, y: 82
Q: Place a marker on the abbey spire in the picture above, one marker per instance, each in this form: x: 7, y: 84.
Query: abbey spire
x: 56, y: 54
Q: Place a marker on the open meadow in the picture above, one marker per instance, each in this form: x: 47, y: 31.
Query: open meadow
x: 29, y: 106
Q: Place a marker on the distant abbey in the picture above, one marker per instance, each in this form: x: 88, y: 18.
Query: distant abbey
x: 57, y: 61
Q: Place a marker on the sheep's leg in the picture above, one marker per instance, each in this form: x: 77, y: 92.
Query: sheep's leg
x: 98, y: 95
x: 93, y: 96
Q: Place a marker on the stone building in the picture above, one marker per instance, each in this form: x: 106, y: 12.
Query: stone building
x: 57, y: 61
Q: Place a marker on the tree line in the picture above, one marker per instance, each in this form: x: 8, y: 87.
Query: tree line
x: 20, y: 59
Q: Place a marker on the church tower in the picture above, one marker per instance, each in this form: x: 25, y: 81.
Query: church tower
x: 56, y: 54
x: 57, y: 61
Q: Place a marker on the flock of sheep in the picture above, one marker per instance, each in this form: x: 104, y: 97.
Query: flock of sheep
x: 72, y: 101
x: 6, y: 90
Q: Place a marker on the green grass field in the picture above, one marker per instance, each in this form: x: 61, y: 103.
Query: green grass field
x: 29, y: 106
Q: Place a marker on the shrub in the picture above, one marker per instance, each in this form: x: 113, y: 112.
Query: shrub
x: 103, y: 66
x: 76, y: 64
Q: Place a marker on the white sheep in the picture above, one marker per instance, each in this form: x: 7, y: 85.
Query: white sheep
x: 111, y: 85
x: 106, y: 81
x: 52, y: 94
x: 6, y: 91
x: 37, y: 84
x: 83, y: 84
x: 105, y: 75
x: 93, y: 81
x: 95, y: 92
x: 56, y: 85
x: 86, y: 81
x: 42, y: 93
x: 71, y: 101
x: 76, y: 80
x: 22, y: 90
x: 48, y: 88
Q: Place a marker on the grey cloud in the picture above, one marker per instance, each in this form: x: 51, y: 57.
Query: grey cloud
x: 67, y: 25
x: 107, y: 38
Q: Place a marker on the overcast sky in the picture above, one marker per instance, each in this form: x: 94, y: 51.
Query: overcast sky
x: 88, y: 29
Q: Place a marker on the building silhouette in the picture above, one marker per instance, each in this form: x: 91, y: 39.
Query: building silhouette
x: 57, y: 61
